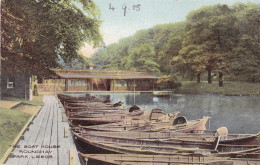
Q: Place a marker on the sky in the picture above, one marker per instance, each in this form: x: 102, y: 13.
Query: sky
x: 122, y: 18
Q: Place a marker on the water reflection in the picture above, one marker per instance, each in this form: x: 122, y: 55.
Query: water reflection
x: 240, y: 114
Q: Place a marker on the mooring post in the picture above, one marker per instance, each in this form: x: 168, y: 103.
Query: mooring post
x: 66, y: 132
x: 72, y: 159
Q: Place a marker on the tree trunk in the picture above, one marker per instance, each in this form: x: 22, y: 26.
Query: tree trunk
x: 220, y: 79
x: 198, y: 78
x: 209, y: 76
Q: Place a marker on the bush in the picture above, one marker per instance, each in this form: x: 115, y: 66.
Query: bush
x: 167, y: 82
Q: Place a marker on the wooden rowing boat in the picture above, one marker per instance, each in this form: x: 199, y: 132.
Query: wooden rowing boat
x: 153, y: 125
x: 132, y: 159
x: 87, y: 103
x: 90, y: 106
x: 80, y: 99
x: 87, y: 108
x: 147, y: 115
x: 148, y: 118
x: 108, y: 144
x: 162, y: 93
x: 104, y: 118
x: 232, y: 139
x: 105, y: 113
x: 188, y: 126
x: 128, y: 145
x: 89, y: 113
x: 74, y: 111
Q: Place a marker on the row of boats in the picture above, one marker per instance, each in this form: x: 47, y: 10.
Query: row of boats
x: 108, y: 133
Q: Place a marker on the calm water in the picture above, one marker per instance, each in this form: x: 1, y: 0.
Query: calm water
x: 240, y: 114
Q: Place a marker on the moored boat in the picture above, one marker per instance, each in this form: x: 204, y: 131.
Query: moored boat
x: 89, y: 113
x: 156, y: 125
x: 104, y: 118
x: 232, y: 139
x: 128, y: 124
x: 89, y: 108
x: 132, y: 159
x: 128, y: 145
x: 162, y: 93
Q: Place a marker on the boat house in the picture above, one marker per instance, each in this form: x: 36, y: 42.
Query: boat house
x: 101, y: 80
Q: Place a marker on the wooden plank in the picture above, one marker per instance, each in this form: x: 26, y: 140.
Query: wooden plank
x: 43, y: 135
x: 65, y: 143
x: 63, y: 153
x: 54, y: 137
x: 72, y: 157
x: 34, y: 133
x: 46, y: 139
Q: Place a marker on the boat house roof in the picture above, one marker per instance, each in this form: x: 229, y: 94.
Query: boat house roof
x: 104, y: 74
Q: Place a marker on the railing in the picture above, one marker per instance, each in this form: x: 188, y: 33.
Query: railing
x: 49, y: 88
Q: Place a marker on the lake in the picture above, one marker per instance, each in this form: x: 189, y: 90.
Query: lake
x: 240, y: 114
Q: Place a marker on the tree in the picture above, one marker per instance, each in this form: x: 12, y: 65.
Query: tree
x: 164, y: 42
x: 143, y: 58
x: 210, y: 31
x: 171, y: 48
x: 245, y: 63
x: 190, y: 61
x: 36, y: 33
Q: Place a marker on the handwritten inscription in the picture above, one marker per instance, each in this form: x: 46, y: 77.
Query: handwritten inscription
x: 126, y: 7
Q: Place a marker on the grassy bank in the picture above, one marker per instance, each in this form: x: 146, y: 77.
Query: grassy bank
x: 14, y: 114
x: 230, y: 88
x: 11, y: 123
x: 37, y: 100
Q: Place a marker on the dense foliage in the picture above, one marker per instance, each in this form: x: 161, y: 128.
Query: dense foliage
x: 221, y: 39
x: 37, y: 33
x: 150, y: 49
x: 167, y: 82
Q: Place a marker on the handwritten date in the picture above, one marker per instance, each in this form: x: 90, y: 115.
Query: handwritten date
x: 125, y: 7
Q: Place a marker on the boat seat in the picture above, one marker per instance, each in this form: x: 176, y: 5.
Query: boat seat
x: 180, y: 120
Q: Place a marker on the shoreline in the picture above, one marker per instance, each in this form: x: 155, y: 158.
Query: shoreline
x: 230, y: 88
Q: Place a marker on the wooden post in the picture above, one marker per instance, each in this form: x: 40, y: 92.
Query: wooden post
x: 86, y: 84
x: 30, y: 88
x: 104, y: 83
x: 72, y: 160
x: 153, y: 85
x: 66, y: 132
x: 91, y: 84
x: 198, y: 78
x: 209, y: 75
x: 63, y: 117
x: 114, y: 85
x: 134, y: 85
x: 66, y: 85
x: 220, y: 79
x: 54, y: 87
x: 25, y: 88
x: 134, y: 91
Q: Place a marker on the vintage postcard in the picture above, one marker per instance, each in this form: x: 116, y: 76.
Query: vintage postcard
x: 153, y: 82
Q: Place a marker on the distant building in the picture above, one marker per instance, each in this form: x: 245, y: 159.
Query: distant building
x: 101, y: 80
x: 91, y: 66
